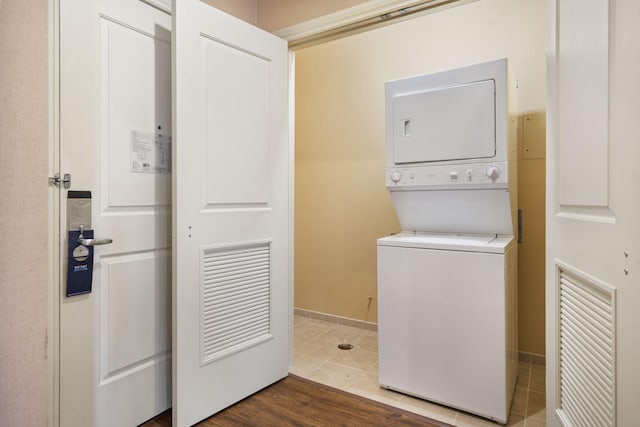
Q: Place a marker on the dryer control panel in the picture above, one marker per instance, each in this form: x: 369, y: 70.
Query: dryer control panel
x: 461, y: 176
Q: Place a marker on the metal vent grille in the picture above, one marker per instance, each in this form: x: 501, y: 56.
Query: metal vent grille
x: 587, y: 358
x: 236, y: 288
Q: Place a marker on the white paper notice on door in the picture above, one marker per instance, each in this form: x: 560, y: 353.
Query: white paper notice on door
x: 150, y: 152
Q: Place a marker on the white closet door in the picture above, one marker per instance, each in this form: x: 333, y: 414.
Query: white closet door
x: 593, y: 206
x: 230, y: 210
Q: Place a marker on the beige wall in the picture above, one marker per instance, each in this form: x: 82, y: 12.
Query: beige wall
x: 277, y: 14
x: 23, y: 213
x: 247, y: 10
x: 342, y: 205
x: 272, y: 15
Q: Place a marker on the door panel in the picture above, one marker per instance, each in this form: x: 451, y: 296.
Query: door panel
x: 136, y: 104
x: 583, y: 97
x: 230, y: 284
x: 116, y: 105
x: 245, y: 77
x: 144, y: 334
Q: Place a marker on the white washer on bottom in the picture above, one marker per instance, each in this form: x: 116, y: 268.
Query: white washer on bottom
x: 447, y: 320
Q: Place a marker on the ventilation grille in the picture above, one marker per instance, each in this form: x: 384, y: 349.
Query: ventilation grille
x: 236, y: 285
x: 587, y: 358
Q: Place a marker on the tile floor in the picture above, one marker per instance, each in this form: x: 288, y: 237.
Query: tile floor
x: 317, y: 357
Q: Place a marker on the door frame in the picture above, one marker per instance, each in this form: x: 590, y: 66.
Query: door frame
x: 321, y: 29
x: 54, y: 229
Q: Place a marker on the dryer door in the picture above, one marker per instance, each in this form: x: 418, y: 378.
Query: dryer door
x: 451, y: 123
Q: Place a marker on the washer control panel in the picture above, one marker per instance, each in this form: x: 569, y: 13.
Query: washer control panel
x: 470, y: 175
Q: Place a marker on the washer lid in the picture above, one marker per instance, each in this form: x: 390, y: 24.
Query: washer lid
x: 450, y: 242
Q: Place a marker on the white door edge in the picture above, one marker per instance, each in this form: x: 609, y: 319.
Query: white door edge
x: 292, y: 161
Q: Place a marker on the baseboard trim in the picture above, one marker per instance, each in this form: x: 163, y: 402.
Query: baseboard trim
x: 339, y: 320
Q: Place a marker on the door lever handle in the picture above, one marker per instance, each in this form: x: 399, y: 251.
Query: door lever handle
x: 94, y: 242
x: 91, y: 242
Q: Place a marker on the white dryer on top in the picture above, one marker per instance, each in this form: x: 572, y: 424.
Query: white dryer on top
x: 450, y: 134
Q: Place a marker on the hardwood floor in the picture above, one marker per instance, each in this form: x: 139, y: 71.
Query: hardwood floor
x: 295, y: 401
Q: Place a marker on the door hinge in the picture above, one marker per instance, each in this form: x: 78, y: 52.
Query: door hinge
x: 56, y: 180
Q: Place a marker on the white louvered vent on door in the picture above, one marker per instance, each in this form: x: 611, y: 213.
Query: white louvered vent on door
x: 587, y: 352
x: 235, y: 298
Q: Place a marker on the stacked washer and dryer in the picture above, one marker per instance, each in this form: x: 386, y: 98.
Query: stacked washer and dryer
x: 447, y: 285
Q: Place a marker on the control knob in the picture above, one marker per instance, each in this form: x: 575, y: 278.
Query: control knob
x: 396, y: 176
x: 493, y: 173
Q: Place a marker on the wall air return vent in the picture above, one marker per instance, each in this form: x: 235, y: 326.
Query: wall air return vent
x: 235, y: 298
x: 586, y: 352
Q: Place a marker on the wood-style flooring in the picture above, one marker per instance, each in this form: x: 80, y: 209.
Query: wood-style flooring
x: 295, y: 401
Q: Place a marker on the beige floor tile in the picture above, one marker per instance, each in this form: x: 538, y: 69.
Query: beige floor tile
x: 356, y: 358
x: 338, y: 376
x: 306, y: 331
x: 524, y: 370
x: 367, y: 341
x: 519, y: 402
x: 337, y: 335
x: 368, y: 387
x: 535, y: 422
x: 467, y: 420
x: 537, y: 381
x: 297, y: 320
x: 539, y: 415
x: 427, y: 409
x: 536, y: 404
x: 515, y: 420
x: 317, y: 349
x: 304, y: 363
x: 522, y: 381
x: 371, y: 375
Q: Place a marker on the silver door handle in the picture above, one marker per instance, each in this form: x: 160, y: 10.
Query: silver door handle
x: 91, y: 242
x: 94, y: 242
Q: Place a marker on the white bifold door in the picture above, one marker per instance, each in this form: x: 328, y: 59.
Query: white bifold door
x: 175, y: 118
x: 593, y: 208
